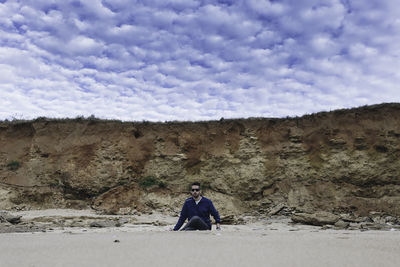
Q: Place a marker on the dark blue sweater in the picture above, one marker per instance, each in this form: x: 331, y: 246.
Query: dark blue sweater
x: 203, y: 210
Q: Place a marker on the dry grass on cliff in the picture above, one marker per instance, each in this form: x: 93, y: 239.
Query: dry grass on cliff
x: 94, y: 119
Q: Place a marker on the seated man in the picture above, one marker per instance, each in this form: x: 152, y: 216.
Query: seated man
x: 197, y: 209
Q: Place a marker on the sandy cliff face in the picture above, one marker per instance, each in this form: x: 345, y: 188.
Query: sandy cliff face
x: 345, y: 161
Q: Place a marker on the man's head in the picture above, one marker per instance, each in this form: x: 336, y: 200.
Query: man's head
x: 195, y: 189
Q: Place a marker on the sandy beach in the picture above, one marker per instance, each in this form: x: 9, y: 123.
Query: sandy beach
x: 261, y: 248
x: 275, y: 243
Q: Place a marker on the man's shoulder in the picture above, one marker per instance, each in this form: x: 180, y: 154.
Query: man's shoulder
x: 188, y: 199
x: 205, y: 199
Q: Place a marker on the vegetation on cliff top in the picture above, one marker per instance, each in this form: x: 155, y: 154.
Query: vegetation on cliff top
x: 93, y: 119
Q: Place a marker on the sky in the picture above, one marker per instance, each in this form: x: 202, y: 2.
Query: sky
x: 164, y: 60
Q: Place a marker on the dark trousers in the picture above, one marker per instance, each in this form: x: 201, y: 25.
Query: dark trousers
x: 196, y: 223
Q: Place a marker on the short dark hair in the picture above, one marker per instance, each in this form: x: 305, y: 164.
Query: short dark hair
x: 196, y: 183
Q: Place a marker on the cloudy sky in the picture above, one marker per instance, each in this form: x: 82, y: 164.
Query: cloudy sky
x: 163, y: 60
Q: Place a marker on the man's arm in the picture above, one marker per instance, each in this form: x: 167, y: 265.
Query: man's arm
x: 215, y: 214
x: 182, y: 217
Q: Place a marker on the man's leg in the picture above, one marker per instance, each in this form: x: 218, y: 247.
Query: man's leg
x: 195, y: 223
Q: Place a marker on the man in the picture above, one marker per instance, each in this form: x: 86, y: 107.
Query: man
x: 197, y: 210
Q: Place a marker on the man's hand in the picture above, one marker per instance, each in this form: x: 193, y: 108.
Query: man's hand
x: 218, y: 226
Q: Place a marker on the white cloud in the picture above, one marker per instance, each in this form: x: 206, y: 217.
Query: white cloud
x: 324, y: 45
x: 82, y: 45
x: 266, y: 7
x: 181, y: 59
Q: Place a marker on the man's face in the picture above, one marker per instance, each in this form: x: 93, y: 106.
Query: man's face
x: 195, y: 191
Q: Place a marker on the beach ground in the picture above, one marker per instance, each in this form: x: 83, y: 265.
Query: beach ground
x: 274, y: 244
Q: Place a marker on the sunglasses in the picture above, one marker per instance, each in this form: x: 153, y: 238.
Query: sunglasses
x: 197, y: 190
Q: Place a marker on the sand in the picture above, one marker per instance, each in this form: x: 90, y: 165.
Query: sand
x: 142, y: 242
x: 255, y: 244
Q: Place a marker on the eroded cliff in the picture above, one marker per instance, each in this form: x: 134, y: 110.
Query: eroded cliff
x: 344, y: 162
